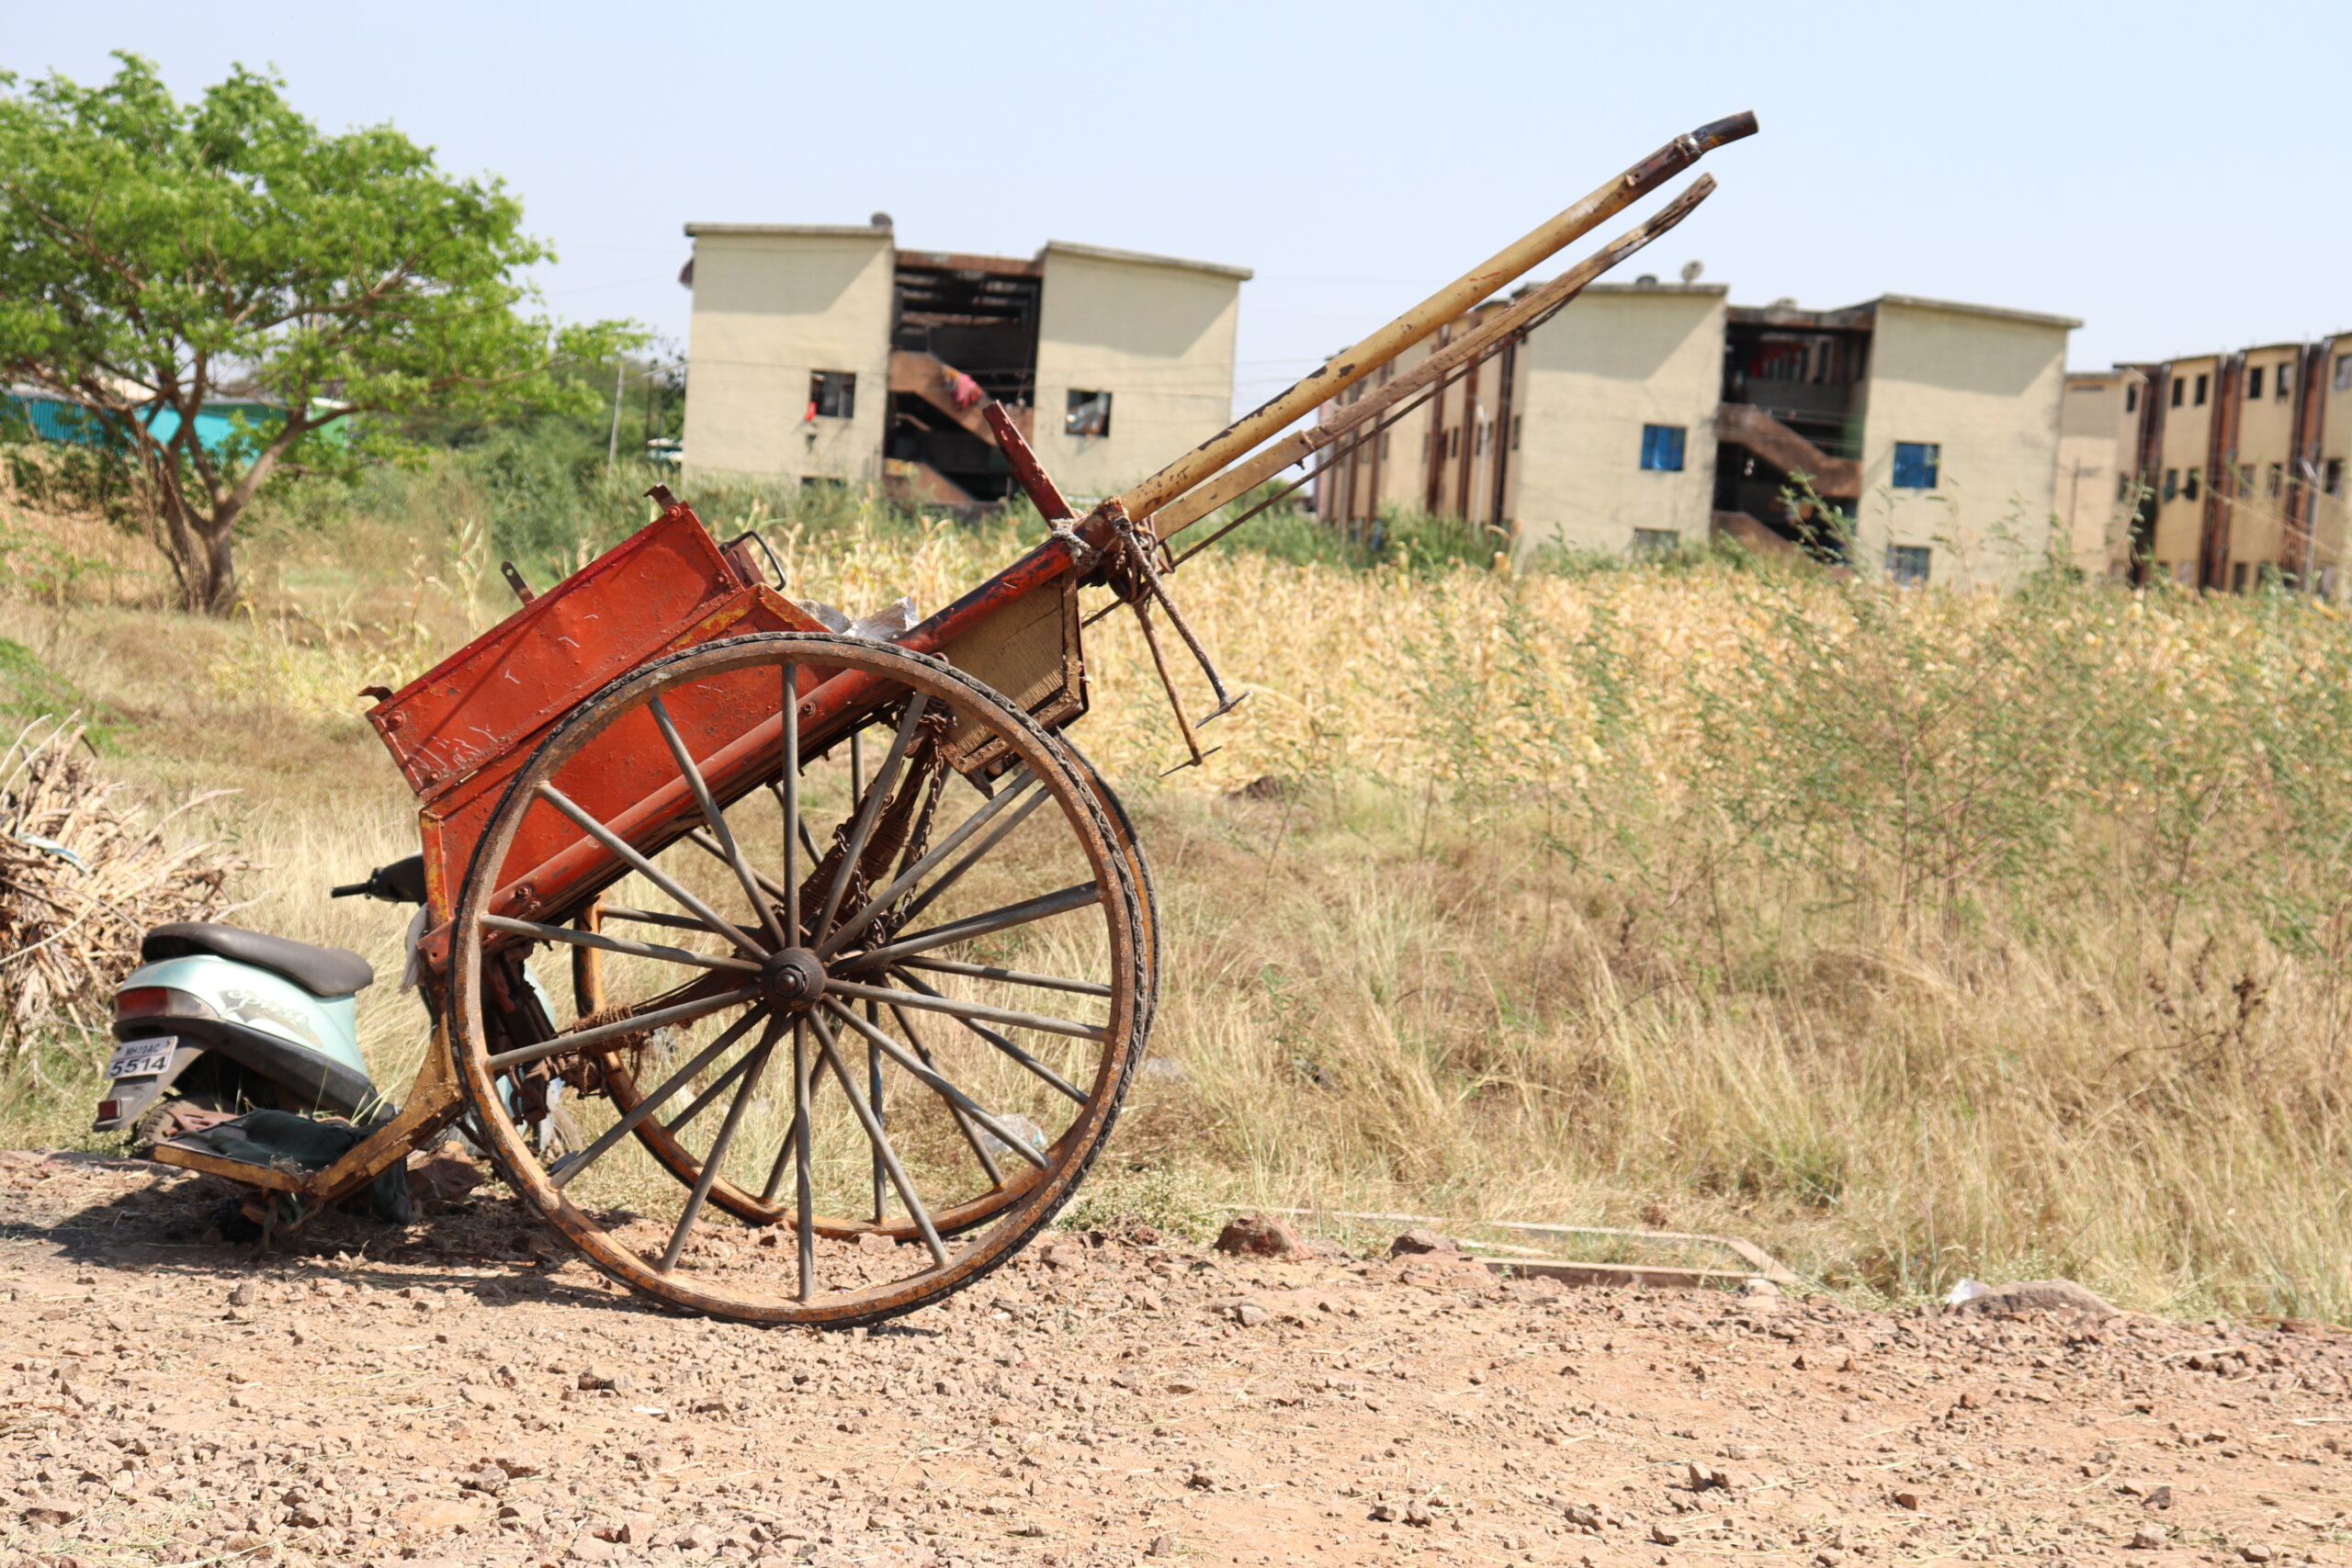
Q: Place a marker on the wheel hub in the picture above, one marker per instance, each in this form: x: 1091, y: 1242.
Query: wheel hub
x: 793, y: 979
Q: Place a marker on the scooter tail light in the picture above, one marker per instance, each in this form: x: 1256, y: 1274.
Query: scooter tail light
x: 142, y: 1001
x: 159, y: 1001
x: 109, y: 1109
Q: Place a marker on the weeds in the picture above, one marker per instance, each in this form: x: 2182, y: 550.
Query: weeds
x: 1915, y: 935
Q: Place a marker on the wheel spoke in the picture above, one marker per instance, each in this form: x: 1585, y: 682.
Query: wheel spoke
x: 655, y: 1100
x: 647, y: 869
x: 1010, y: 977
x: 881, y: 1141
x: 678, y: 1123
x: 869, y: 808
x: 932, y: 1080
x: 1044, y: 907
x: 787, y: 794
x: 881, y: 1117
x: 683, y: 1012
x: 656, y: 917
x: 758, y: 1058
x: 803, y: 1070
x: 963, y: 1123
x: 932, y: 1001
x: 617, y: 943
x: 924, y: 899
x: 840, y: 935
x: 1003, y: 1043
x: 716, y: 820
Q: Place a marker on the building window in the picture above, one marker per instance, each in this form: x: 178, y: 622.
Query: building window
x: 1514, y: 432
x: 832, y: 394
x: 2254, y: 382
x: 2172, y: 483
x: 1087, y: 413
x: 2333, y: 480
x: 2237, y: 578
x: 2245, y: 478
x: 2344, y: 372
x: 1453, y: 442
x: 1486, y: 433
x: 2131, y: 399
x: 2278, y: 382
x: 1662, y: 448
x: 2278, y: 476
x: 2178, y: 386
x: 1906, y: 565
x: 2189, y: 491
x: 2202, y: 382
x: 1916, y: 463
x: 1651, y: 542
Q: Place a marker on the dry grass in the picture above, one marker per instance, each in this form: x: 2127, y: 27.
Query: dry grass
x: 1914, y: 936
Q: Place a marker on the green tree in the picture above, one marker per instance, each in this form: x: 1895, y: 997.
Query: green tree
x: 158, y: 258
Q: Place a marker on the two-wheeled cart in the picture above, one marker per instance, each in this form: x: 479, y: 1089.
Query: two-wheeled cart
x: 860, y: 952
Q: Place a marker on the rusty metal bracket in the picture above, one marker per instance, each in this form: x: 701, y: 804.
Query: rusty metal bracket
x: 1144, y: 585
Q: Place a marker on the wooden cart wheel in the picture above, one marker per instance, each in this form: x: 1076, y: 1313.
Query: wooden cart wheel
x: 875, y: 1023
x: 680, y: 1160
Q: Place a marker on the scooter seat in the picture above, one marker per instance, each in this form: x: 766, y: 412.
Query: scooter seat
x: 321, y: 971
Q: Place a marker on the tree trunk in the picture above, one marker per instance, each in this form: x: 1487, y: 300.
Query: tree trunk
x: 202, y: 551
x: 220, y: 570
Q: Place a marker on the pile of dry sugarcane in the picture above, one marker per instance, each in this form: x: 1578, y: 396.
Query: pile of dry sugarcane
x: 85, y: 871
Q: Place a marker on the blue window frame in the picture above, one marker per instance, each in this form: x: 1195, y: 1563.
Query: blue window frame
x: 1916, y: 463
x: 1662, y: 448
x: 1908, y: 565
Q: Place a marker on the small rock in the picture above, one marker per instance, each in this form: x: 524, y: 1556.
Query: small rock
x: 1664, y: 1536
x: 242, y: 1296
x: 878, y: 1245
x: 1419, y: 1240
x: 1249, y: 1314
x: 1161, y: 1546
x: 1384, y: 1513
x: 1908, y: 1500
x: 2255, y: 1552
x: 1829, y: 1557
x: 1201, y: 1479
x: 2157, y: 1498
x: 2146, y: 1539
x: 1758, y: 1287
x: 2037, y: 1295
x: 1259, y: 1236
x: 1417, y: 1514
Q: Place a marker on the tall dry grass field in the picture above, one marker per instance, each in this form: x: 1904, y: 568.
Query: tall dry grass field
x: 1914, y: 935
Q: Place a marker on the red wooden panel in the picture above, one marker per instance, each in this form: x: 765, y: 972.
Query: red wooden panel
x: 492, y: 697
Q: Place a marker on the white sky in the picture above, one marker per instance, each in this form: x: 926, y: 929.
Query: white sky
x: 2179, y: 176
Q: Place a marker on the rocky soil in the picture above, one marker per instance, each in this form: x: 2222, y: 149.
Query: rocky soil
x: 461, y: 1393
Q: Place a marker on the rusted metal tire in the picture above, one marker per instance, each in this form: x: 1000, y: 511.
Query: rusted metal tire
x: 682, y: 1162
x: 833, y: 984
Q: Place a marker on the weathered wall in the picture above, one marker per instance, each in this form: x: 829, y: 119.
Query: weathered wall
x: 1617, y: 358
x: 2097, y: 446
x: 1985, y: 386
x: 772, y: 305
x: 1157, y: 334
x: 2181, y: 520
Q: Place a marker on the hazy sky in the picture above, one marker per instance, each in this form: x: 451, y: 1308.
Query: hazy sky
x: 2179, y: 178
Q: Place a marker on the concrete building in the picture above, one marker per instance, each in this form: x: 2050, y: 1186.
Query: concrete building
x: 1647, y: 415
x: 2217, y: 470
x: 830, y: 356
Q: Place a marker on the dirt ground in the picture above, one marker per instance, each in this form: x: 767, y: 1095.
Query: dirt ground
x: 461, y: 1393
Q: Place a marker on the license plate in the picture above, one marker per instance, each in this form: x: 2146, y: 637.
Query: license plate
x: 143, y: 1059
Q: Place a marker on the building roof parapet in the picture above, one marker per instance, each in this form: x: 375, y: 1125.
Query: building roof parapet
x: 793, y: 230
x: 1655, y: 287
x: 1104, y: 252
x: 1959, y: 307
